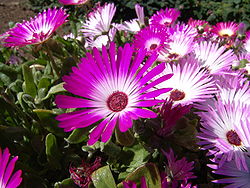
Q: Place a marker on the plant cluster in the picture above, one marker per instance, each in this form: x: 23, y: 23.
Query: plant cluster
x: 148, y: 102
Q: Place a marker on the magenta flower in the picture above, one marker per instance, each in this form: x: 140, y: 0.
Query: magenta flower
x: 73, y: 2
x: 214, y: 58
x: 189, y: 83
x: 226, y: 132
x: 200, y: 25
x: 99, y: 21
x: 81, y: 175
x: 180, y: 43
x: 177, y: 171
x: 164, y: 17
x: 7, y: 180
x: 236, y: 177
x: 225, y: 29
x: 153, y: 39
x: 37, y: 30
x: 114, y: 87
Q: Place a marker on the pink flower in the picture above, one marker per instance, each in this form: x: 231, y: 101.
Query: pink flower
x: 180, y: 42
x: 114, y: 90
x: 189, y: 83
x: 164, y: 17
x: 177, y: 171
x: 37, y: 30
x: 7, y: 180
x: 153, y: 39
x: 225, y: 132
x: 99, y: 21
x: 216, y: 59
x: 225, y: 29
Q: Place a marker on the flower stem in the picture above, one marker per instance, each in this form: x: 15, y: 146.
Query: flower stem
x: 52, y: 61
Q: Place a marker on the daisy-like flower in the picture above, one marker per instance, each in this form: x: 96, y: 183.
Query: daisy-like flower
x: 153, y: 39
x: 177, y: 171
x: 200, y: 25
x: 37, y: 30
x: 225, y: 29
x: 99, y: 20
x: 214, y: 58
x: 164, y: 17
x: 7, y: 180
x: 189, y: 83
x: 114, y: 90
x: 73, y: 2
x: 236, y: 177
x: 81, y: 175
x: 226, y: 132
x: 181, y: 42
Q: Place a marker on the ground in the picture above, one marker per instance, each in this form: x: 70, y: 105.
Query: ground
x: 15, y: 11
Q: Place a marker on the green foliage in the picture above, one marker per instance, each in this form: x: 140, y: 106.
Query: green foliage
x: 103, y: 178
x: 213, y: 11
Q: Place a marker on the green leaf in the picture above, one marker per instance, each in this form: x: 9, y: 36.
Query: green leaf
x: 151, y: 174
x: 9, y: 71
x: 134, y: 157
x: 103, y: 178
x: 47, y: 118
x: 55, y: 89
x: 67, y: 183
x: 44, y: 83
x: 30, y: 87
x: 78, y: 136
x: 52, y: 151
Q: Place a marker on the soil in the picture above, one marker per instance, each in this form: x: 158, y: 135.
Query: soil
x: 13, y: 11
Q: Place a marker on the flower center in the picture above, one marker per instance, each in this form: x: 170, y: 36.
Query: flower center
x: 226, y: 32
x: 233, y: 138
x: 117, y: 101
x: 153, y: 46
x: 177, y: 95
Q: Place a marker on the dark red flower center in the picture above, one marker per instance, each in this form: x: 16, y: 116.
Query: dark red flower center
x: 177, y: 95
x: 153, y: 46
x: 233, y: 138
x: 117, y: 101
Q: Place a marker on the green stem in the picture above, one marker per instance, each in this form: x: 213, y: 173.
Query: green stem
x: 52, y: 61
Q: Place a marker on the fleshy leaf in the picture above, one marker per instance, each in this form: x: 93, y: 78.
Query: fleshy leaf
x: 52, y: 151
x: 103, y: 178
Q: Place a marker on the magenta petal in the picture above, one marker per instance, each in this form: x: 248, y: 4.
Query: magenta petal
x: 155, y: 93
x: 9, y: 170
x: 96, y: 133
x: 64, y: 101
x: 15, y: 180
x: 148, y: 103
x: 124, y: 123
x: 108, y: 130
x: 144, y: 113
